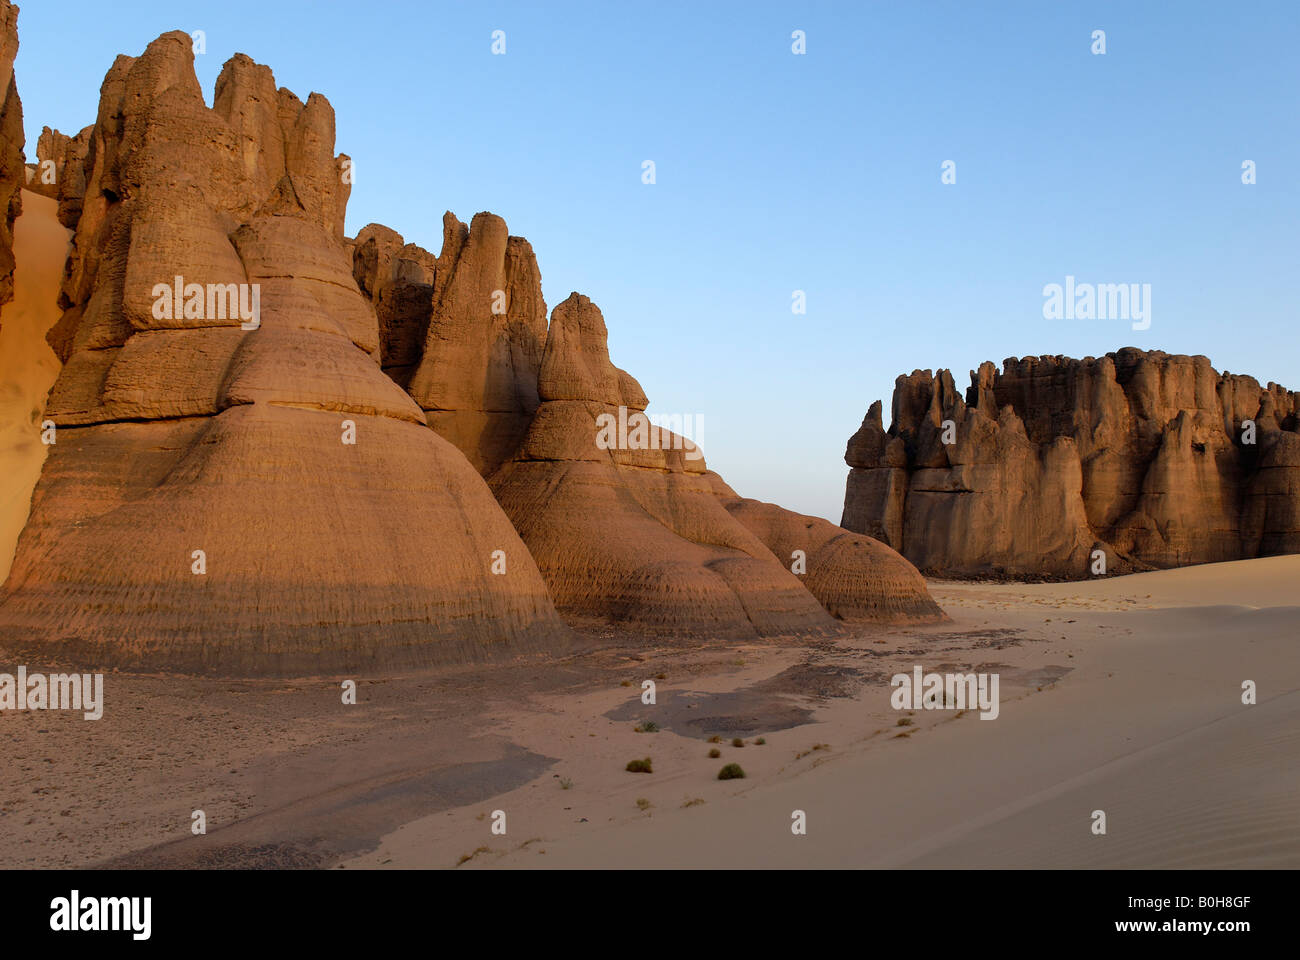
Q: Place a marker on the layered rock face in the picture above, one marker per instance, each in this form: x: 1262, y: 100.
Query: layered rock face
x: 1156, y: 460
x: 236, y: 486
x: 13, y: 170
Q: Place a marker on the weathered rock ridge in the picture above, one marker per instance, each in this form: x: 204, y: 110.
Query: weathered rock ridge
x: 1156, y: 460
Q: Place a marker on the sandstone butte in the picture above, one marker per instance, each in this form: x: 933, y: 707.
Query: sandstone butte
x: 648, y: 538
x: 1145, y: 456
x: 181, y: 433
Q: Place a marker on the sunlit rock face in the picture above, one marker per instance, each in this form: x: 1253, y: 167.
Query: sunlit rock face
x: 236, y: 486
x: 1144, y: 459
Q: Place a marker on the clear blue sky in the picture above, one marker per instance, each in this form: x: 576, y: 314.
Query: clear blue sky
x: 778, y: 172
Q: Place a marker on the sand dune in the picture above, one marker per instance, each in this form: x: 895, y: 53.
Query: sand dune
x: 28, y: 366
x: 1265, y: 582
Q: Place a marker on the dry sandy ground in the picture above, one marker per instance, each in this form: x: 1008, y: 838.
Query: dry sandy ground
x: 28, y: 367
x: 1122, y: 695
x: 1147, y: 726
x: 288, y: 775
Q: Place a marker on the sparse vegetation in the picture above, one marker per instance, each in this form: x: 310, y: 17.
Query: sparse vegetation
x: 466, y: 857
x: 715, y: 753
x: 626, y: 683
x: 639, y: 766
x: 647, y: 726
x: 695, y: 802
x: 661, y: 676
x: 566, y: 783
x: 761, y: 742
x: 904, y: 721
x: 815, y: 747
x: 643, y: 804
x: 715, y: 739
x: 731, y: 771
x: 737, y: 742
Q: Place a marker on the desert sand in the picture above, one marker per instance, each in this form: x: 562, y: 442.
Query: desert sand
x: 1147, y: 725
x: 28, y: 366
x: 1122, y: 695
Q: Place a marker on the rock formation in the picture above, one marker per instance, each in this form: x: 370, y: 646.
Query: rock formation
x: 245, y: 479
x: 398, y: 279
x: 639, y: 536
x: 13, y: 170
x: 57, y: 156
x: 634, y: 535
x: 464, y: 333
x: 1156, y: 460
x: 855, y: 577
x: 236, y: 487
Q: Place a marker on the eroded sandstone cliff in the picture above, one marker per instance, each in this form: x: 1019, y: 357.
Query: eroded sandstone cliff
x: 1156, y: 460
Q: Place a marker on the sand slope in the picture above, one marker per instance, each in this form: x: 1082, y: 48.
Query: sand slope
x: 1148, y: 726
x: 28, y: 366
